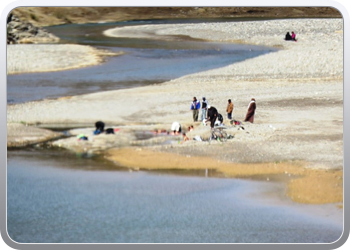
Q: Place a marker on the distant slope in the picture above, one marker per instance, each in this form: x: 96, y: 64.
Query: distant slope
x: 47, y: 16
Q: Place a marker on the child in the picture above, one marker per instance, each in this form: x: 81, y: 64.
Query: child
x: 185, y: 138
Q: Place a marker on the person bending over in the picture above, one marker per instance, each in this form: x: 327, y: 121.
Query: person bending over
x: 176, y: 128
x: 100, y: 126
x: 212, y: 115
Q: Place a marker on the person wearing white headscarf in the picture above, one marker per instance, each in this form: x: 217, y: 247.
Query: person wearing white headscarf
x: 176, y: 128
x: 251, y: 111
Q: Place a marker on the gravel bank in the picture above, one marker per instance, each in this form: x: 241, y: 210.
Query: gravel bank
x: 19, y: 135
x: 318, y: 52
x: 29, y: 58
x: 299, y: 93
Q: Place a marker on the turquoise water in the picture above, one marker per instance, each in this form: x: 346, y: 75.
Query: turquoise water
x: 73, y: 199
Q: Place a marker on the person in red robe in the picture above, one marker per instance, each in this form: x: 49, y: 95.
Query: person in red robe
x: 251, y: 111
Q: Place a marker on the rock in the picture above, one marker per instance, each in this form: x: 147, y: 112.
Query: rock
x: 25, y: 32
x: 20, y: 135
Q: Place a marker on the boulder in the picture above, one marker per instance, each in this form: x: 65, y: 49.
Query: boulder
x: 25, y: 32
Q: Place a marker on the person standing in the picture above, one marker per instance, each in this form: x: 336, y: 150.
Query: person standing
x: 251, y: 111
x: 229, y: 109
x: 204, y: 109
x: 212, y: 115
x: 195, y: 106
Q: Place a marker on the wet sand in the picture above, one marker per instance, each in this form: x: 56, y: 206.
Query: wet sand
x: 310, y: 186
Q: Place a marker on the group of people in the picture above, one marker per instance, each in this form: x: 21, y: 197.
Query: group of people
x: 211, y: 114
x: 290, y: 37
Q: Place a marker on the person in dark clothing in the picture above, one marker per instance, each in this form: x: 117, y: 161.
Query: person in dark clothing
x: 109, y: 131
x: 288, y: 37
x: 204, y: 109
x: 212, y: 115
x: 251, y: 111
x: 100, y: 126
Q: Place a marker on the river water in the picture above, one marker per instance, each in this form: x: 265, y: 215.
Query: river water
x: 146, y: 62
x: 72, y: 199
x: 56, y: 196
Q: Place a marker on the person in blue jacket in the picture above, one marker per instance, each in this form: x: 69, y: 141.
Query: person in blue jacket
x: 195, y: 106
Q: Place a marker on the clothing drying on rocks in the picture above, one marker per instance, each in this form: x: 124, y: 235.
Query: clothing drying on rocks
x: 235, y: 122
x: 197, y: 138
x: 82, y: 137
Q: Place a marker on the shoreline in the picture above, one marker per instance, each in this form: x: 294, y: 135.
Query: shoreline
x: 307, y: 186
x: 52, y: 57
x: 299, y: 116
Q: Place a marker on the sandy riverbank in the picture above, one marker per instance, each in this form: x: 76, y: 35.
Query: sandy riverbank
x: 29, y: 58
x: 299, y: 93
x: 311, y: 186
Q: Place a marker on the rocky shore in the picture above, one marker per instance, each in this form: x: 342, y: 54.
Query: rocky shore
x: 19, y: 31
x: 298, y: 89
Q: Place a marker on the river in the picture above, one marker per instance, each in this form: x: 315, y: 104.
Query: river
x: 145, y: 62
x: 54, y: 196
x: 55, y: 199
